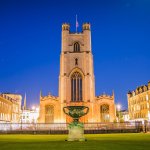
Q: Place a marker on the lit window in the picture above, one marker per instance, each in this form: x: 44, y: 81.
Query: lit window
x: 76, y: 87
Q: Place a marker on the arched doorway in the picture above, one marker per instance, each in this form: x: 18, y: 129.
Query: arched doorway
x: 104, y: 111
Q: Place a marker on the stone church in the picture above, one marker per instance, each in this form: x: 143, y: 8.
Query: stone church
x: 76, y: 82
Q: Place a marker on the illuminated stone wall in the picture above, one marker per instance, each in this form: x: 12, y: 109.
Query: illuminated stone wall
x: 76, y: 57
x: 139, y: 103
x: 10, y: 108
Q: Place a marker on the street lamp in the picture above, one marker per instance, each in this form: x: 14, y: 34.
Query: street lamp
x: 37, y: 109
x: 118, y: 109
x: 33, y: 107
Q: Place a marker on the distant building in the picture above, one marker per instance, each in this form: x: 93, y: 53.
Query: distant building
x: 29, y: 115
x: 139, y: 103
x: 77, y: 82
x: 125, y: 115
x: 10, y: 108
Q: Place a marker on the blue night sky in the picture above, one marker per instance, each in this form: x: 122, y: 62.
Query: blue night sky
x: 30, y: 44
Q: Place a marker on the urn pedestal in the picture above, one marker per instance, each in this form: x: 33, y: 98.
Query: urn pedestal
x: 76, y: 128
x: 76, y: 132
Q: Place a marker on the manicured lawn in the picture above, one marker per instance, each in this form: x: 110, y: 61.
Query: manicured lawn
x: 138, y: 141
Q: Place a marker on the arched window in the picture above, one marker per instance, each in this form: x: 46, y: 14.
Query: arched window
x: 104, y: 110
x: 76, y: 47
x: 49, y: 114
x: 76, y: 87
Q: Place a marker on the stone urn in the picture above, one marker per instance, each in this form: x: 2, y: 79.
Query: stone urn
x: 76, y: 128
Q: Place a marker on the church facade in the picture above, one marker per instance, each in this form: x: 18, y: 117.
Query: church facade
x: 76, y: 82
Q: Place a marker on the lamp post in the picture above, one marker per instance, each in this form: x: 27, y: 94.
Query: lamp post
x: 118, y: 109
x: 33, y: 107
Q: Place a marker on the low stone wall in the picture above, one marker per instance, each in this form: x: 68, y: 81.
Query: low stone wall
x: 66, y: 131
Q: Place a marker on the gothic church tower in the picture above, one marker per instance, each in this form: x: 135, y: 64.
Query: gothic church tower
x: 76, y: 79
x: 76, y: 82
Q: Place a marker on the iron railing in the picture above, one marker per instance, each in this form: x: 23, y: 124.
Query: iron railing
x: 64, y: 126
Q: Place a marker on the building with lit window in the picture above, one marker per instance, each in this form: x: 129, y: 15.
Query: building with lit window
x: 29, y: 115
x: 139, y: 103
x: 77, y: 82
x: 125, y: 115
x: 10, y: 108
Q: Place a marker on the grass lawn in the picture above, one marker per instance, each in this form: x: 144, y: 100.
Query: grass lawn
x: 132, y: 141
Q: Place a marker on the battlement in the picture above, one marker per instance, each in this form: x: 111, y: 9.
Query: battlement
x: 65, y: 27
x: 139, y: 90
x: 8, y: 98
x: 49, y: 96
x: 105, y: 96
x: 85, y: 26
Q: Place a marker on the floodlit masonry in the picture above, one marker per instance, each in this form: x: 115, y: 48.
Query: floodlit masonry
x: 139, y: 103
x: 76, y: 82
x: 10, y: 108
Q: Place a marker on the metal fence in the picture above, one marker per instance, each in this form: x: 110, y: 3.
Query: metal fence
x: 63, y: 127
x: 146, y: 126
